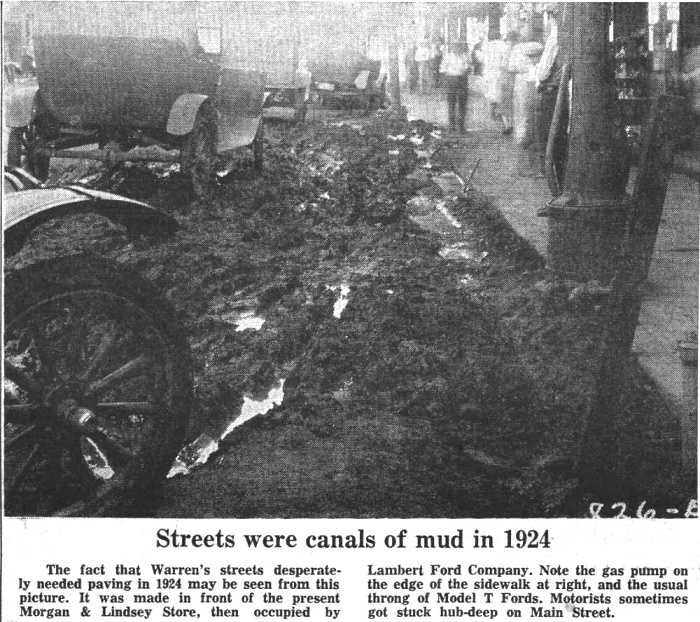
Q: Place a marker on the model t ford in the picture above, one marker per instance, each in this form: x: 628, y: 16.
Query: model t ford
x: 135, y: 99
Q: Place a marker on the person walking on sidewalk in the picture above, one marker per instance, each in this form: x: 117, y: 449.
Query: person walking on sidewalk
x: 411, y: 68
x: 523, y: 62
x: 423, y: 60
x: 547, y: 78
x: 506, y: 81
x: 455, y: 69
x: 498, y: 81
x: 436, y: 54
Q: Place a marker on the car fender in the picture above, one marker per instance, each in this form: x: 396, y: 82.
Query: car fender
x: 27, y: 209
x: 239, y: 104
x: 183, y: 113
x: 20, y: 106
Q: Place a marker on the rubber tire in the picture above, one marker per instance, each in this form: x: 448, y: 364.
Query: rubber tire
x: 38, y: 166
x: 258, y: 147
x: 198, y: 157
x: 60, y: 276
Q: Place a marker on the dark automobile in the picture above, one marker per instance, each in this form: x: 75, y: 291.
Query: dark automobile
x: 349, y: 84
x: 137, y: 99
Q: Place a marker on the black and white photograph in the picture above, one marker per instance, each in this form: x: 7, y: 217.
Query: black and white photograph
x: 350, y: 260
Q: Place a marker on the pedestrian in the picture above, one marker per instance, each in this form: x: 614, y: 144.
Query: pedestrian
x: 547, y: 77
x: 498, y: 81
x: 523, y: 62
x: 303, y: 79
x: 493, y: 51
x: 411, y: 68
x: 505, y: 82
x: 455, y: 69
x: 436, y: 54
x: 423, y: 61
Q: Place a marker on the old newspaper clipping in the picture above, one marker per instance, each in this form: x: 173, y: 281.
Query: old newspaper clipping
x: 350, y: 310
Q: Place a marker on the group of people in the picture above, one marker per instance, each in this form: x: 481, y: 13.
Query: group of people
x: 432, y: 64
x: 519, y: 80
x: 423, y: 62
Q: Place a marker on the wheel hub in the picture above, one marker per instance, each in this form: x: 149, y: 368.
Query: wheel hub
x: 66, y: 405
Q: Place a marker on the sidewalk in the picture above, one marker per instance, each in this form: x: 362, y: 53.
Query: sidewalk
x: 670, y: 304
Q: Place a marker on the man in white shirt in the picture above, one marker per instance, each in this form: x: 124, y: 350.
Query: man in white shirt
x: 455, y: 69
x: 498, y: 80
x: 547, y: 77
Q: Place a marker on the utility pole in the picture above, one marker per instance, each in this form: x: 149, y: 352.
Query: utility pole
x: 394, y: 75
x: 596, y: 231
x: 396, y: 109
x: 586, y: 223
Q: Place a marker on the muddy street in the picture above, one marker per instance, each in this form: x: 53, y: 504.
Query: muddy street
x: 370, y: 338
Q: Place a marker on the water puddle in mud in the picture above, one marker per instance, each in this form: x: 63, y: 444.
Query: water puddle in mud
x: 13, y: 391
x: 442, y: 208
x: 342, y: 300
x: 194, y: 454
x: 96, y: 460
x: 449, y: 183
x: 163, y: 170
x: 199, y: 450
x: 240, y: 313
x: 248, y: 320
x: 254, y: 407
x: 460, y: 251
x: 432, y: 215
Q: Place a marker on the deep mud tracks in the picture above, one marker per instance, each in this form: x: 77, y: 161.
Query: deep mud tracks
x: 370, y: 338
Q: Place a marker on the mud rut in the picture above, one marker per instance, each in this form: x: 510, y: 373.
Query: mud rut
x: 425, y: 362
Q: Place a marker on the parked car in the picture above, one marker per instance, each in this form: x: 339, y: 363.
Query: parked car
x: 353, y: 85
x: 97, y: 369
x: 126, y: 93
x: 286, y: 102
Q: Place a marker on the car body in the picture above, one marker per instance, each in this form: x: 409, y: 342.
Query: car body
x: 356, y: 84
x: 126, y: 92
x: 28, y: 204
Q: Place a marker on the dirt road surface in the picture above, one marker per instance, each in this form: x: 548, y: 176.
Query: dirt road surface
x: 415, y: 356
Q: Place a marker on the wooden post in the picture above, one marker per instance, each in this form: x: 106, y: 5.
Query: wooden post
x: 396, y: 109
x: 587, y: 221
x: 602, y: 445
x: 394, y: 73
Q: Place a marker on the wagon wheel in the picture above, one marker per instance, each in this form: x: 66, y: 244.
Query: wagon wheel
x: 198, y: 158
x: 21, y: 151
x: 258, y: 147
x: 97, y: 388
